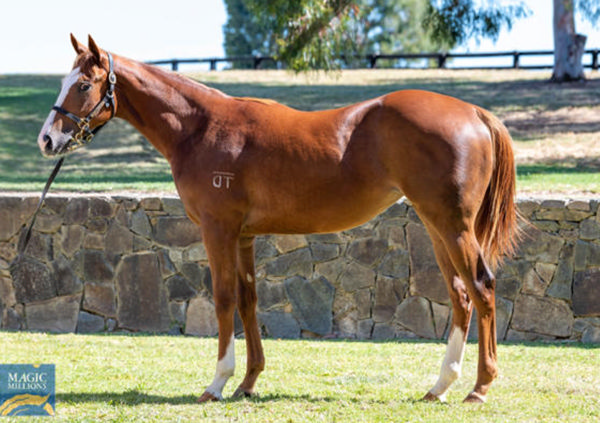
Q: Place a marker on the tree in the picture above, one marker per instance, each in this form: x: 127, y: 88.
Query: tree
x: 568, y: 45
x: 246, y: 34
x: 313, y: 34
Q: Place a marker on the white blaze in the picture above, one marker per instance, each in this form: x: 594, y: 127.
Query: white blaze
x: 67, y: 83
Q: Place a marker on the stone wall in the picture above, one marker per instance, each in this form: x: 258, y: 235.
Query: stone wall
x: 138, y: 264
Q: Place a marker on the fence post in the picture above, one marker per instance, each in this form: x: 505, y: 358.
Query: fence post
x: 213, y: 65
x: 174, y: 65
x: 441, y: 59
x: 257, y: 61
x: 595, y: 59
x: 372, y: 60
x: 516, y: 60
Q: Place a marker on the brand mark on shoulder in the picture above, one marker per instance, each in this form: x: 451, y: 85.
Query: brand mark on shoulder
x: 222, y: 179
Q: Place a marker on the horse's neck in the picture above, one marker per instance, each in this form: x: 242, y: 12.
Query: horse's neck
x: 165, y: 107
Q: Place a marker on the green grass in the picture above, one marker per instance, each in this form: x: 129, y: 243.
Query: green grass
x: 120, y: 159
x: 135, y: 378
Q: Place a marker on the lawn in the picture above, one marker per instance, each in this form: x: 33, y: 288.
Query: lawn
x: 556, y: 127
x: 136, y: 378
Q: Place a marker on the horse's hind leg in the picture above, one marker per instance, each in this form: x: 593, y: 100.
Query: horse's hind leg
x: 467, y: 258
x: 461, y: 316
x: 247, y: 307
x: 221, y: 245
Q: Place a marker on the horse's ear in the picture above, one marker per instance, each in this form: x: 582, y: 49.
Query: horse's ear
x: 94, y: 48
x: 79, y: 48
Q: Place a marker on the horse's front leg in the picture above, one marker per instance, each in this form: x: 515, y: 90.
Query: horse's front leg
x: 221, y: 245
x: 247, y: 307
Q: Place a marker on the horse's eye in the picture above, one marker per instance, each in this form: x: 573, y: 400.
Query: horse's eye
x: 85, y: 87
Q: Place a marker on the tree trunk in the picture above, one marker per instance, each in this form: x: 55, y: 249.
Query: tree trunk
x: 568, y: 46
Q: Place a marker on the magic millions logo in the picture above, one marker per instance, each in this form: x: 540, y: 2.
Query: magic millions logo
x: 27, y: 390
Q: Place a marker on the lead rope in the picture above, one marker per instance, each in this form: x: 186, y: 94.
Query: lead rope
x: 24, y: 241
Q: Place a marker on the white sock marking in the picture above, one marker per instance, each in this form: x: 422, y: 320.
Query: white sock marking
x: 452, y: 364
x: 225, y: 369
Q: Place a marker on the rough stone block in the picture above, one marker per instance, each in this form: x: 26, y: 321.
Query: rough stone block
x: 71, y: 239
x: 324, y: 252
x: 48, y: 223
x: 179, y: 289
x: 414, y: 314
x: 280, y: 325
x: 89, y: 323
x: 539, y: 246
x: 66, y: 280
x: 33, y: 281
x: 176, y: 231
x: 76, y: 211
x: 100, y: 298
x: 441, y: 314
x: 542, y: 315
x: 270, y: 294
x: 312, y: 303
x: 589, y: 229
x: 298, y: 262
x: 101, y: 207
x: 367, y: 251
x: 395, y: 264
x: 58, y: 314
x: 586, y: 293
x: 364, y: 328
x: 362, y: 299
x: 119, y: 240
x: 143, y: 303
x: 388, y: 294
x: 92, y: 266
x: 40, y: 246
x: 356, y: 276
x: 382, y: 331
x: 11, y: 219
x: 560, y: 287
x: 287, y: 243
x: 151, y: 203
x: 392, y: 230
x: 201, y: 319
x: 173, y: 206
x: 426, y: 278
x: 331, y: 270
x: 140, y: 224
x: 591, y: 335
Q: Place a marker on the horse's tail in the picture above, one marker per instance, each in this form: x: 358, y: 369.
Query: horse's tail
x: 496, y: 225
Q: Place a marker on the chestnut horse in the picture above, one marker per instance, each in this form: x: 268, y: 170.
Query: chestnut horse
x: 246, y: 166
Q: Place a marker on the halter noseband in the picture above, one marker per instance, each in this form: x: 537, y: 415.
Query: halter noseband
x: 85, y: 134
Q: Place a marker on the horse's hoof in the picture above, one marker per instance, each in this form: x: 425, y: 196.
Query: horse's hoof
x: 242, y: 393
x: 429, y: 397
x: 474, y: 398
x: 207, y: 397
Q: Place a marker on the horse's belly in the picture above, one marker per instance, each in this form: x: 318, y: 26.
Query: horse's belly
x: 327, y: 214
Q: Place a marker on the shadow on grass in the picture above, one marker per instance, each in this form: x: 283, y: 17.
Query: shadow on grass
x: 590, y: 166
x: 134, y: 397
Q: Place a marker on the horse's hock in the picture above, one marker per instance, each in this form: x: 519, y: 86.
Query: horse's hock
x: 119, y: 263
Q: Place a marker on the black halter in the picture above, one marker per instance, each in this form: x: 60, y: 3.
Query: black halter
x: 85, y: 134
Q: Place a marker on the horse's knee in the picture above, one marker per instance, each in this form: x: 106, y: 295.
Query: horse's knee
x: 225, y: 303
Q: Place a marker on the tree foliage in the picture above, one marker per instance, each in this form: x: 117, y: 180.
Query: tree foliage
x: 314, y: 34
x: 456, y: 21
x: 247, y: 33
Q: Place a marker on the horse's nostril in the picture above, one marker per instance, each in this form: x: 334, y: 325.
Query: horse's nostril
x: 47, y: 142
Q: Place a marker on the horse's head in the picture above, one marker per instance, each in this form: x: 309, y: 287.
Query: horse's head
x: 85, y: 103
